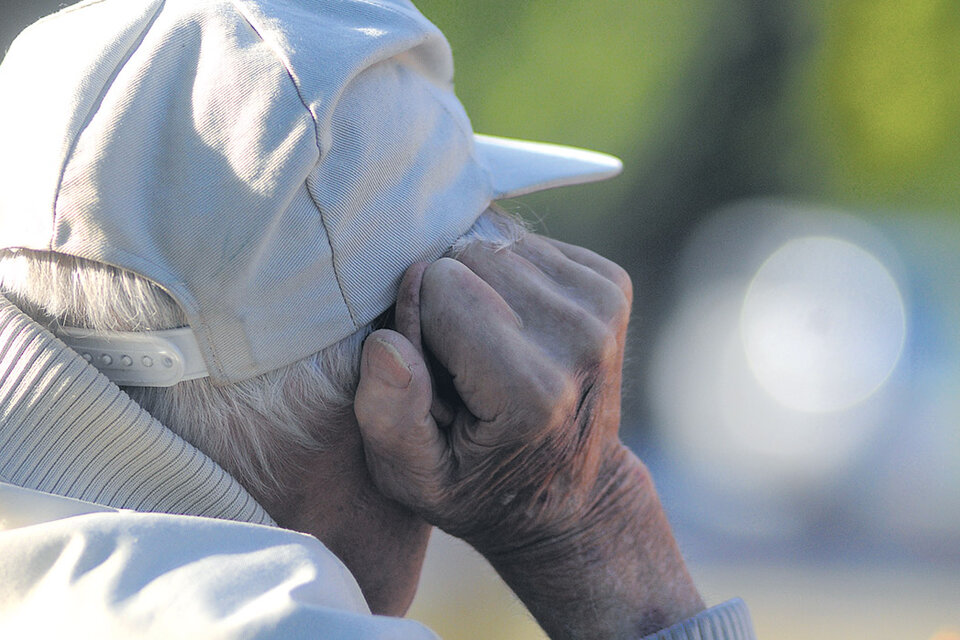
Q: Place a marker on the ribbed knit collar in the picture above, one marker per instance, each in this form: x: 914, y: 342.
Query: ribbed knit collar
x: 66, y: 429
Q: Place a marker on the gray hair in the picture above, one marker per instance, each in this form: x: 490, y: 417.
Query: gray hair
x: 253, y: 428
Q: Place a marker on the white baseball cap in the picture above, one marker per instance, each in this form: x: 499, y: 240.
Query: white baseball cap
x: 274, y: 165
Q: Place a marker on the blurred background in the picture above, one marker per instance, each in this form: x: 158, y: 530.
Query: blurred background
x: 789, y: 214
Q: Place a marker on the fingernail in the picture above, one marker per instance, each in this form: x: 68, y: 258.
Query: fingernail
x: 388, y: 366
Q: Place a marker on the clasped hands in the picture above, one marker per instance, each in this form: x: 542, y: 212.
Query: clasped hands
x: 493, y: 412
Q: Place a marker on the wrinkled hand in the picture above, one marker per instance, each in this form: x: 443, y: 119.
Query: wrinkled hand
x: 494, y: 413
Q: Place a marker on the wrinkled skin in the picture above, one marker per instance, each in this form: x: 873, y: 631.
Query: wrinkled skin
x: 493, y: 413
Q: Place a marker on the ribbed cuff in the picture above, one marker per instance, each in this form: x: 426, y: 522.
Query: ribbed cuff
x: 727, y: 621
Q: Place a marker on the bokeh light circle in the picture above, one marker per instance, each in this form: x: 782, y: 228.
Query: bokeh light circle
x: 822, y: 325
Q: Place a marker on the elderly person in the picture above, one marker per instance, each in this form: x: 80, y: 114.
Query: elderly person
x: 225, y: 312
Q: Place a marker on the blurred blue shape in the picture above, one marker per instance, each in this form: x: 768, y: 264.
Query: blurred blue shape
x: 805, y: 388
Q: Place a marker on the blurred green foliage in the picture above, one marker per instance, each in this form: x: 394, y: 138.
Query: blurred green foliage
x: 882, y: 100
x: 854, y: 102
x: 568, y: 70
x: 602, y: 75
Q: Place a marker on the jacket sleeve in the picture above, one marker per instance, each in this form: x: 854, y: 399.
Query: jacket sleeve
x: 727, y: 621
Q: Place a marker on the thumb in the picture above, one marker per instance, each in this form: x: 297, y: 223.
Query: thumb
x: 406, y: 453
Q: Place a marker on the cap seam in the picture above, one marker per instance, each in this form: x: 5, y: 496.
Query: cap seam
x: 316, y: 133
x: 94, y: 108
x: 287, y: 67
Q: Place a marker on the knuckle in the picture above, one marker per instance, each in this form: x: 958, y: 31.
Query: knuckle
x: 609, y: 346
x: 622, y: 279
x: 553, y: 396
x: 616, y: 302
x: 596, y: 342
x: 579, y: 319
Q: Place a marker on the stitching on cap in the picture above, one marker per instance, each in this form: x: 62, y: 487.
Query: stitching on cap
x: 316, y: 133
x: 94, y: 108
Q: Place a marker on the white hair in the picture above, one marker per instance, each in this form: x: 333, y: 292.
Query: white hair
x: 253, y: 428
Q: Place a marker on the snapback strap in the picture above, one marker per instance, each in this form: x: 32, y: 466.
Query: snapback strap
x: 143, y: 359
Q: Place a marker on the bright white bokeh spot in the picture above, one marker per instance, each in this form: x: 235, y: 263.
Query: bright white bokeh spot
x: 822, y: 324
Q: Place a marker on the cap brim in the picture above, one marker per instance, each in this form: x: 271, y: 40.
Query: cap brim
x: 518, y: 167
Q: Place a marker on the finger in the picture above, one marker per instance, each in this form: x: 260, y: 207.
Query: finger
x: 407, y: 315
x: 607, y: 268
x: 474, y: 334
x: 406, y: 452
x: 407, y: 319
x: 513, y: 278
x: 570, y: 333
x: 595, y: 292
